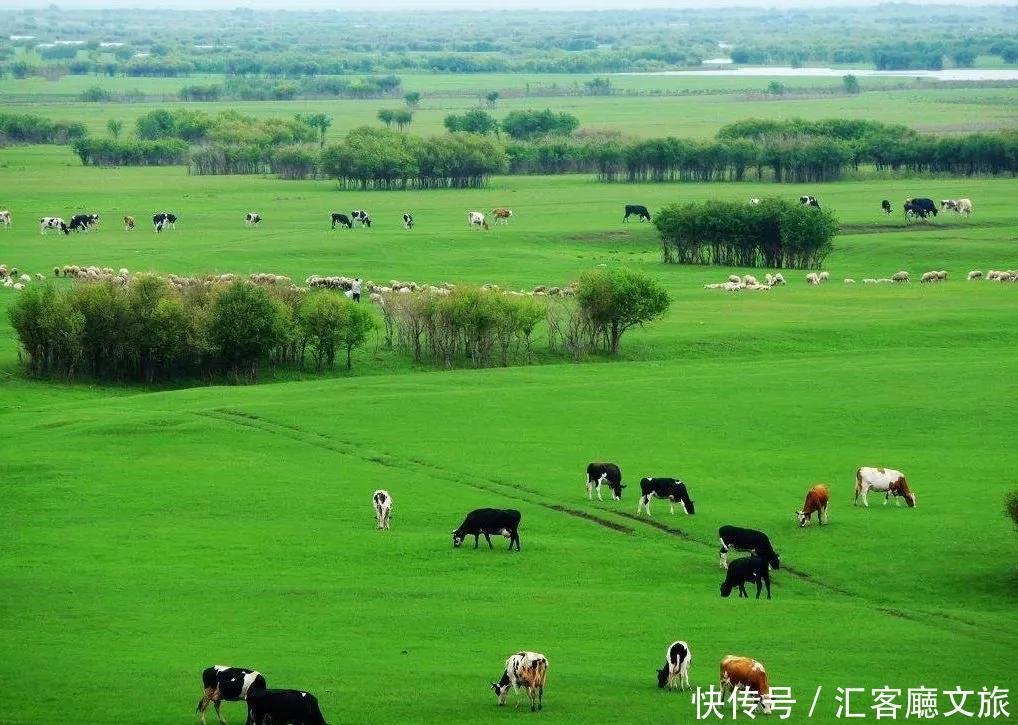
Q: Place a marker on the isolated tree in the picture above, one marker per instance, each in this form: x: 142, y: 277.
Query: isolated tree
x: 473, y: 121
x: 359, y: 323
x: 615, y: 300
x: 413, y: 99
x: 386, y: 116
x: 402, y: 118
x: 492, y: 98
x: 775, y: 88
x: 851, y: 84
x: 115, y: 126
x: 598, y: 87
x: 319, y: 121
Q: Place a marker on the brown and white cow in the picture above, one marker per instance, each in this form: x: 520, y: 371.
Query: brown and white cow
x: 526, y: 669
x: 817, y: 500
x: 476, y: 219
x: 885, y: 480
x: 748, y: 674
x: 502, y: 215
x: 128, y: 223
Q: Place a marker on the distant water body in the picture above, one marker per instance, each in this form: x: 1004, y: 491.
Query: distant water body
x: 955, y: 74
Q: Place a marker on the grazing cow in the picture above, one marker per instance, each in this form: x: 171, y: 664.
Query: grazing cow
x: 276, y: 707
x: 128, y: 223
x: 667, y: 488
x: 607, y: 474
x: 164, y: 220
x: 754, y: 201
x: 809, y: 201
x: 359, y: 215
x: 639, y: 210
x: 818, y: 498
x: 502, y: 215
x: 53, y: 222
x: 5, y: 219
x: 383, y: 507
x: 408, y: 221
x: 747, y: 569
x: 227, y: 683
x: 82, y: 222
x: 677, y: 661
x: 476, y: 219
x: 919, y: 208
x: 886, y: 480
x: 252, y: 218
x: 529, y: 669
x: 748, y: 674
x: 886, y: 206
x: 342, y: 219
x: 501, y: 522
x: 734, y: 537
x: 958, y: 206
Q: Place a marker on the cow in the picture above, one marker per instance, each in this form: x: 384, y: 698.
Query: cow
x: 607, y: 474
x: 82, y: 222
x: 529, y: 669
x: 677, y: 661
x: 501, y: 522
x: 408, y: 221
x: 818, y: 498
x: 383, y: 507
x: 886, y: 206
x: 164, y: 220
x: 809, y: 201
x: 5, y: 219
x: 502, y: 215
x: 476, y: 219
x: 53, y: 222
x: 747, y: 569
x: 342, y: 219
x: 886, y: 480
x: 128, y: 223
x: 669, y: 488
x: 252, y: 218
x: 278, y: 707
x: 755, y: 201
x: 920, y: 208
x: 734, y: 537
x: 227, y: 683
x: 958, y: 206
x: 639, y: 210
x: 748, y: 674
x: 359, y: 215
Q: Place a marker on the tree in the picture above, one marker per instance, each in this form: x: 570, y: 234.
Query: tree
x: 963, y: 58
x: 851, y: 84
x: 598, y: 87
x: 413, y: 99
x: 776, y: 88
x: 321, y: 320
x: 386, y: 116
x: 534, y: 124
x: 319, y: 121
x: 402, y: 118
x: 492, y: 98
x: 244, y: 324
x: 359, y: 323
x: 615, y: 300
x: 115, y: 126
x: 473, y: 121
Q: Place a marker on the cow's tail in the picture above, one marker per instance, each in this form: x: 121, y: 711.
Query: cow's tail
x: 858, y: 483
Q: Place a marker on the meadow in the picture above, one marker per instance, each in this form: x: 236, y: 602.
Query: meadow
x: 153, y: 532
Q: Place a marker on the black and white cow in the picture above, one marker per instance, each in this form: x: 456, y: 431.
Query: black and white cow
x: 677, y: 661
x: 163, y: 220
x: 664, y: 488
x: 82, y: 222
x: 383, y: 507
x: 252, y: 218
x: 359, y: 215
x: 500, y: 522
x: 53, y: 222
x: 280, y: 707
x: 408, y: 221
x: 639, y: 210
x: 747, y: 569
x: 734, y: 537
x: 227, y: 683
x: 5, y: 219
x: 809, y: 201
x: 607, y: 474
x: 342, y: 219
x: 886, y: 206
x: 920, y: 208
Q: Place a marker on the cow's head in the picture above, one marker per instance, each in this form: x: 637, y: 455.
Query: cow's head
x: 501, y: 689
x: 803, y: 518
x: 457, y: 539
x: 662, y: 676
x: 774, y: 561
x: 688, y: 505
x: 900, y: 488
x: 616, y: 490
x: 726, y: 588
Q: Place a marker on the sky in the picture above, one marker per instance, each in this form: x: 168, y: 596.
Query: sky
x: 476, y: 5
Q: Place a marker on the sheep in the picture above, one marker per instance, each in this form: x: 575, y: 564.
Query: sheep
x: 40, y: 276
x: 123, y: 272
x: 768, y: 279
x: 749, y: 280
x: 56, y: 271
x: 716, y: 285
x: 900, y: 277
x: 824, y: 276
x: 975, y: 274
x: 732, y: 286
x: 735, y: 279
x: 849, y: 280
x: 25, y: 278
x: 885, y: 280
x: 778, y: 279
x: 928, y: 277
x: 942, y: 275
x: 18, y: 286
x: 812, y: 278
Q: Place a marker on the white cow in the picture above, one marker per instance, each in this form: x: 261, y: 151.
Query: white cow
x: 383, y: 507
x: 53, y: 222
x: 5, y: 219
x: 884, y: 480
x: 476, y: 219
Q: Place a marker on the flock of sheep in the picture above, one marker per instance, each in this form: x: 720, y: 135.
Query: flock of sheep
x: 736, y: 283
x: 12, y: 278
x: 748, y: 281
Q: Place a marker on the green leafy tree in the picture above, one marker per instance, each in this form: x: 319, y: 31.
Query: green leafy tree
x: 413, y: 99
x: 403, y: 118
x: 616, y: 300
x: 244, y: 324
x: 358, y: 325
x: 319, y: 121
x: 492, y: 98
x: 115, y: 126
x: 850, y: 84
x: 386, y: 116
x: 473, y: 121
x: 776, y: 88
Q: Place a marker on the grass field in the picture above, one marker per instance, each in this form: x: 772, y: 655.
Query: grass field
x: 150, y: 533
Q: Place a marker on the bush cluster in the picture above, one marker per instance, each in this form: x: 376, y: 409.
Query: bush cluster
x: 29, y: 128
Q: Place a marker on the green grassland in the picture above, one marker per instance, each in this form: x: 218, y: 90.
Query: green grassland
x: 150, y: 533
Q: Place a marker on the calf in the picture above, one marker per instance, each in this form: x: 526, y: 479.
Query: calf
x: 747, y: 569
x: 677, y: 661
x: 668, y: 488
x: 501, y: 522
x: 809, y: 201
x: 607, y: 474
x: 359, y: 215
x: 476, y: 219
x: 502, y: 215
x: 529, y: 669
x: 408, y: 221
x: 639, y: 210
x: 886, y: 480
x: 734, y: 537
x: 383, y: 507
x: 5, y: 219
x: 748, y: 674
x: 252, y: 218
x: 53, y: 222
x: 277, y: 707
x: 817, y: 500
x: 128, y: 223
x: 886, y: 206
x: 227, y: 683
x: 341, y: 219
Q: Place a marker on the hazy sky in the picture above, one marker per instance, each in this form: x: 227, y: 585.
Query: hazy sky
x: 477, y: 5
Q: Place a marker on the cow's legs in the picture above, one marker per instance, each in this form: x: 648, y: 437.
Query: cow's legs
x: 590, y: 489
x: 684, y: 673
x: 742, y: 590
x: 476, y: 538
x: 219, y: 715
x: 203, y: 704
x: 488, y: 539
x: 600, y: 482
x: 724, y: 555
x: 671, y: 505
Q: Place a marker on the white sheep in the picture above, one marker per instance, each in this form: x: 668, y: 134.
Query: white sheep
x: 869, y: 280
x: 901, y: 277
x: 849, y: 280
x: 975, y: 274
x: 749, y: 280
x: 824, y: 276
x: 735, y: 279
x: 19, y: 286
x: 928, y: 277
x: 885, y: 280
x: 778, y: 279
x: 812, y: 278
x: 732, y: 286
x: 25, y: 278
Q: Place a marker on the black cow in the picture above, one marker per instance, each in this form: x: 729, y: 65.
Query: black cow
x: 747, y: 569
x: 501, y: 522
x: 359, y: 215
x: 886, y: 206
x: 81, y: 222
x: 252, y: 218
x: 604, y: 473
x: 227, y: 683
x: 408, y: 221
x: 809, y: 201
x: 164, y: 219
x: 665, y: 488
x: 734, y: 537
x: 283, y: 707
x: 920, y: 208
x: 639, y: 210
x: 343, y: 219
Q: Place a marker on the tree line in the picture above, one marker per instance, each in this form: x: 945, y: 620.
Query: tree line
x: 31, y: 128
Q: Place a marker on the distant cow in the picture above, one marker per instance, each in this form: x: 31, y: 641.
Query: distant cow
x: 639, y: 210
x: 82, y: 222
x: 886, y: 206
x: 252, y: 218
x: 359, y: 215
x: 53, y: 222
x: 886, y: 480
x: 747, y: 569
x: 128, y: 223
x: 734, y: 537
x: 527, y: 669
x: 501, y: 522
x: 754, y: 201
x: 958, y: 206
x: 408, y: 221
x: 342, y: 219
x: 818, y: 498
x: 666, y: 488
x: 607, y: 474
x: 476, y: 219
x: 920, y: 208
x: 809, y: 201
x: 5, y: 219
x: 277, y: 707
x: 677, y: 661
x: 502, y: 215
x: 383, y: 507
x: 164, y: 220
x: 748, y: 674
x: 227, y: 683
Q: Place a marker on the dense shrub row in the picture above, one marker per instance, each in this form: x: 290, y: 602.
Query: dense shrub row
x: 130, y: 152
x: 29, y: 128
